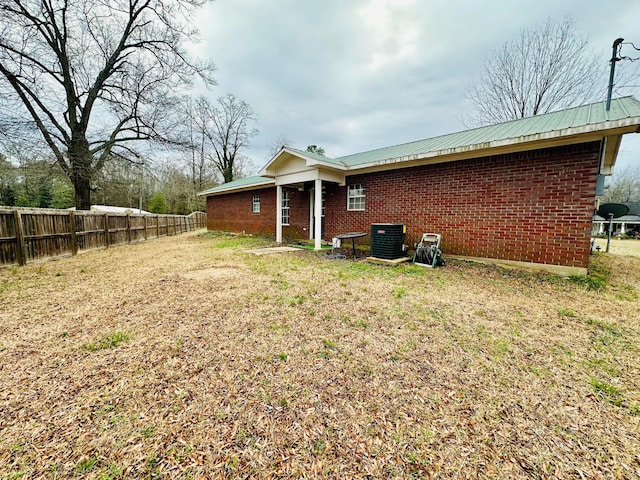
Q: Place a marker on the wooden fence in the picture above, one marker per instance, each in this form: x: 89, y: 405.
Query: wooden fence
x: 27, y: 235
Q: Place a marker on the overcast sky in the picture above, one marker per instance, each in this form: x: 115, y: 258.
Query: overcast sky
x: 354, y: 75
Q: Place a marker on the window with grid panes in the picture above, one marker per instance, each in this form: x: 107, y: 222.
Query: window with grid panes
x: 285, y: 207
x: 356, y: 197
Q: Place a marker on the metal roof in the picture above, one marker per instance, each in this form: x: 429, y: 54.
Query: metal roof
x: 314, y: 158
x: 623, y: 117
x: 592, y: 114
x: 112, y: 209
x: 248, y: 183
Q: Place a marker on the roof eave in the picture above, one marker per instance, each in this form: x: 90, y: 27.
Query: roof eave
x: 242, y: 188
x: 264, y: 171
x: 268, y: 171
x: 331, y: 166
x: 612, y: 127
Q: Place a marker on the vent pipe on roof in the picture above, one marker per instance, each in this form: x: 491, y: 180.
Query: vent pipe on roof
x: 614, y: 59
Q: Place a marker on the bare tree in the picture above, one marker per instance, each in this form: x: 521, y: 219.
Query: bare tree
x: 203, y: 173
x: 93, y: 77
x: 227, y: 129
x: 623, y: 186
x: 277, y: 145
x: 547, y: 68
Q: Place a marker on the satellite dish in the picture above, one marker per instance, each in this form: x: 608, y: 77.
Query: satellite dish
x: 616, y: 209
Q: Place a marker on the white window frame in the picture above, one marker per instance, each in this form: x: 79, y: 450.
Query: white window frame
x: 285, y: 208
x: 255, y: 205
x: 356, y: 197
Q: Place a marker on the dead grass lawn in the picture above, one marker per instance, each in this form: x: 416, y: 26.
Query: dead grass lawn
x: 621, y: 247
x: 186, y: 358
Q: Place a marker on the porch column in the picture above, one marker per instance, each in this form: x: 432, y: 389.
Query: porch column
x: 623, y: 228
x: 279, y: 214
x: 317, y: 211
x: 601, y: 228
x: 312, y: 197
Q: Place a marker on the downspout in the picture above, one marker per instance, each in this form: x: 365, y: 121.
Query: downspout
x: 600, y: 180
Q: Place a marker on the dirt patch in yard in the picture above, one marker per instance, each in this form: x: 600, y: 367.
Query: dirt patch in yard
x: 215, y: 273
x: 185, y: 357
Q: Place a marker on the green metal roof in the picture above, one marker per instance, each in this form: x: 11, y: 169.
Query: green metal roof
x: 316, y: 156
x: 576, y: 117
x: 248, y: 183
x: 624, y: 115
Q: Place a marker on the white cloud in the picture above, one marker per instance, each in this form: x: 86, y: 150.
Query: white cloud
x: 352, y: 76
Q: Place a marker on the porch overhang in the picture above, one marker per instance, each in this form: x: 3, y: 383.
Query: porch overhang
x: 291, y: 167
x: 289, y: 160
x: 311, y: 175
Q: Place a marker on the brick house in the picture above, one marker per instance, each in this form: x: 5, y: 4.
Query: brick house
x: 520, y: 191
x: 628, y: 224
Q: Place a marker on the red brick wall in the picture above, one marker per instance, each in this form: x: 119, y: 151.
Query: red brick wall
x: 534, y: 206
x: 233, y: 213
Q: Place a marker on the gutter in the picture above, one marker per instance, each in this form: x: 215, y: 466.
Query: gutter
x: 604, y: 129
x: 240, y: 188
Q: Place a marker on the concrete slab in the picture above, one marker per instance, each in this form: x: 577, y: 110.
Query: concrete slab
x: 270, y: 250
x: 384, y: 261
x: 559, y: 270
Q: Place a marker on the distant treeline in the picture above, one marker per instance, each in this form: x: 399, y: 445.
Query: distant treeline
x: 164, y: 188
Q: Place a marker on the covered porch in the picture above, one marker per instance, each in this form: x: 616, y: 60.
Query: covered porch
x: 305, y: 172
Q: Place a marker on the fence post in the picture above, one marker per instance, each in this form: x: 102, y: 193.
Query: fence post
x: 72, y: 230
x: 145, y: 227
x: 20, y: 246
x: 157, y: 226
x: 106, y: 230
x: 128, y: 229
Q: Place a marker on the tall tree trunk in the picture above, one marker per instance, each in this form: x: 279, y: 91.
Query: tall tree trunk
x: 80, y: 160
x: 82, y: 187
x: 227, y: 173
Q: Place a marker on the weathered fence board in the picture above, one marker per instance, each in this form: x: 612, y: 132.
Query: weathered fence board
x: 27, y: 235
